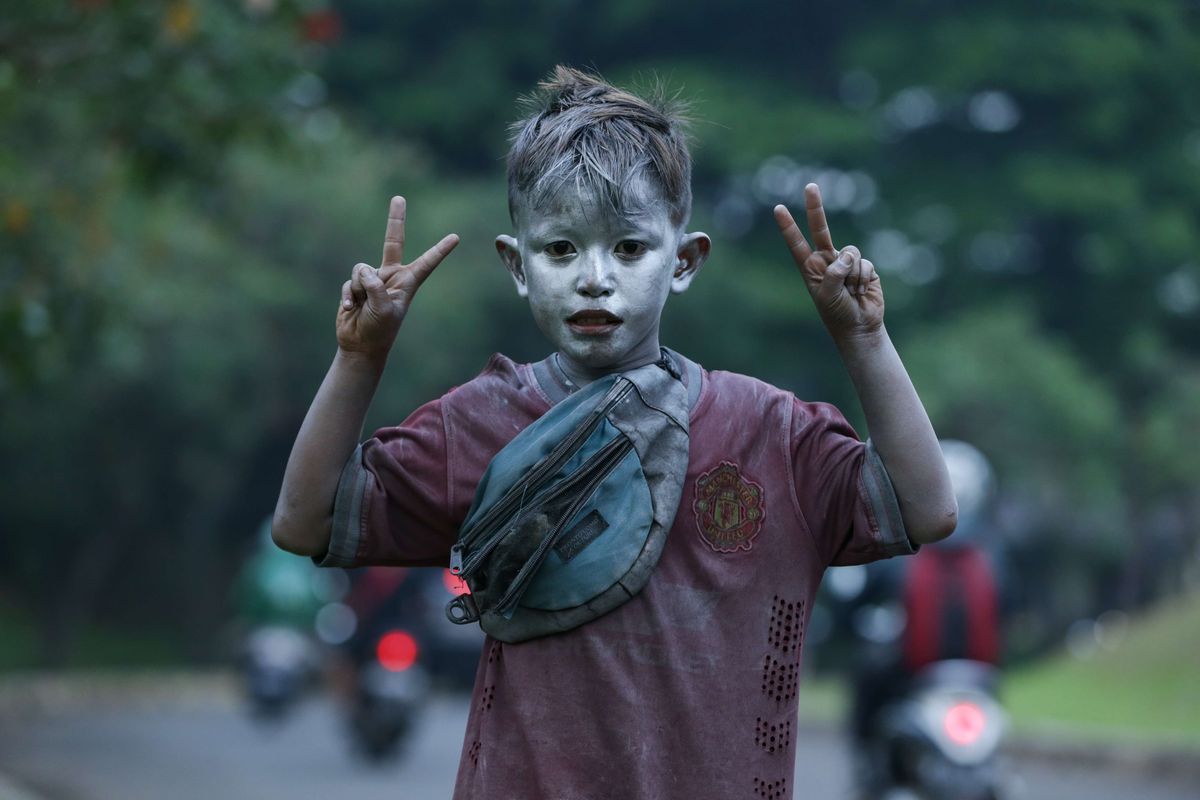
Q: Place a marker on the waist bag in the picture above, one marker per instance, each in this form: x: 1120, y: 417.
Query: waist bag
x: 571, y: 516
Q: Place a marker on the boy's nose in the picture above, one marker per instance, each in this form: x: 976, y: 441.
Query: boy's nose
x: 595, y: 277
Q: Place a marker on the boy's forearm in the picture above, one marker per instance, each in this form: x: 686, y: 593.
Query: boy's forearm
x: 327, y: 438
x: 902, y: 435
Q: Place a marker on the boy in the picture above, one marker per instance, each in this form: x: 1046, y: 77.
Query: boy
x: 688, y: 689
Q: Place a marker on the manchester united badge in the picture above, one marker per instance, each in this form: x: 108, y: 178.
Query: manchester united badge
x: 729, y: 508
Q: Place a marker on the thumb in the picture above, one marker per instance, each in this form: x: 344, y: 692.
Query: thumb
x: 835, y: 277
x: 377, y: 296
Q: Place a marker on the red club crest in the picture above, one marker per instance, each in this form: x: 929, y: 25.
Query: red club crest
x: 729, y: 509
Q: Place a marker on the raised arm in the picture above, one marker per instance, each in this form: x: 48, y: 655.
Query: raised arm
x: 846, y: 291
x: 373, y: 305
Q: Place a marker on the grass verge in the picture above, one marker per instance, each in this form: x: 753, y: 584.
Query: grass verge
x: 96, y: 647
x: 1139, y: 686
x: 1141, y: 682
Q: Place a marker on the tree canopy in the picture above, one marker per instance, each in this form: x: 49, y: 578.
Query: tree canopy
x: 185, y: 186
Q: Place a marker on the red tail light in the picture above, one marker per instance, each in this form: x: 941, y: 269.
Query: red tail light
x: 964, y: 723
x: 454, y: 584
x: 397, y: 650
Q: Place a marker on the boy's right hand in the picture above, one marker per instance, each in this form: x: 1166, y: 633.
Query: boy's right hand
x: 375, y: 301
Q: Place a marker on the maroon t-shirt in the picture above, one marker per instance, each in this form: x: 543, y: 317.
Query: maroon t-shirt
x: 689, y: 689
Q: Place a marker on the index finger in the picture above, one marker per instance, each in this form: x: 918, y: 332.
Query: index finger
x: 817, y: 224
x: 393, y: 239
x: 792, y: 234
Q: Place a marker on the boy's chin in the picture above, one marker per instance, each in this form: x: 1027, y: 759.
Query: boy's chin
x: 597, y: 358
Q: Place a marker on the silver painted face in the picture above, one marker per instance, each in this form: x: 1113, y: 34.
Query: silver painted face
x: 597, y: 282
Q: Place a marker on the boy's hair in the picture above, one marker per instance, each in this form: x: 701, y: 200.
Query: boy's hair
x: 580, y: 128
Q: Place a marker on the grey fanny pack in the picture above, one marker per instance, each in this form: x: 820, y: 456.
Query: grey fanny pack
x: 570, y: 518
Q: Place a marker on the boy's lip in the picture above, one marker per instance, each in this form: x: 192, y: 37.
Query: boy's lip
x: 593, y: 321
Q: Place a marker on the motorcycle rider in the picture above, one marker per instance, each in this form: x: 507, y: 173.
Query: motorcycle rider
x: 276, y: 600
x: 940, y: 604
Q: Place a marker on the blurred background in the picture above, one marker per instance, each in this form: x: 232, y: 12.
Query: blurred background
x: 184, y: 186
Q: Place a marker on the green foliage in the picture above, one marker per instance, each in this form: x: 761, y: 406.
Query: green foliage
x: 123, y: 344
x: 98, y: 646
x: 97, y: 100
x: 186, y: 185
x: 992, y: 377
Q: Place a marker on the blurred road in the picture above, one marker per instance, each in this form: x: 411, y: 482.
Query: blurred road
x: 202, y: 753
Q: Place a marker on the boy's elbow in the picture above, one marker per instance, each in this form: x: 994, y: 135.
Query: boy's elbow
x: 288, y: 535
x: 937, y: 527
x: 282, y: 534
x: 946, y: 524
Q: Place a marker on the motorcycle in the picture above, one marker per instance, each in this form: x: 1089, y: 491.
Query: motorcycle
x: 939, y: 739
x: 927, y: 722
x: 277, y: 597
x: 278, y: 665
x: 390, y: 689
x: 385, y: 660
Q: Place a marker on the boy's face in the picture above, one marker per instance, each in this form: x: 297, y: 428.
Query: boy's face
x: 597, y: 282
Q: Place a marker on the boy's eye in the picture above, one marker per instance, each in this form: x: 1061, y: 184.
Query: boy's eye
x: 631, y: 249
x: 559, y: 249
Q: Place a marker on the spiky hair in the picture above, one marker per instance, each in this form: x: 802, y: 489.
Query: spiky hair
x: 579, y: 128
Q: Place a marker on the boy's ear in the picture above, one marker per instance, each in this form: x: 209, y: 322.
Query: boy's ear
x: 510, y: 254
x: 691, y: 255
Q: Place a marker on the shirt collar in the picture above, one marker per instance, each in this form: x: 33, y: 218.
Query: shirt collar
x: 555, y: 384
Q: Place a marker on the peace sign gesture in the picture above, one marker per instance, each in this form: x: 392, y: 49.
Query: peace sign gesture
x: 844, y: 286
x: 375, y: 301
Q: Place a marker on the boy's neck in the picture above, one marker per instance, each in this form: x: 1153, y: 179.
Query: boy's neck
x: 557, y: 386
x: 578, y: 376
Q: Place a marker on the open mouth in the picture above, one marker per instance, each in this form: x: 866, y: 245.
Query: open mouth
x: 593, y: 320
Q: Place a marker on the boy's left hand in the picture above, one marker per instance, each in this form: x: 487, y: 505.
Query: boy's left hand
x: 844, y: 286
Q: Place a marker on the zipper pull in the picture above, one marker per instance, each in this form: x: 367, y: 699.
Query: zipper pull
x: 462, y: 610
x: 456, y: 559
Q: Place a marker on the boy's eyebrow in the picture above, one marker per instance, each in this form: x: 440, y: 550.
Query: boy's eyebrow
x: 542, y: 230
x: 626, y: 226
x: 637, y: 215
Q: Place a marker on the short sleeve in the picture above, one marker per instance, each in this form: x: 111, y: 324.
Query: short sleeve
x: 391, y: 506
x: 844, y: 492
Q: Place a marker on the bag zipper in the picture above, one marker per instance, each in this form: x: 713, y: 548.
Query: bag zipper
x: 611, y: 455
x: 547, y: 496
x: 564, y: 487
x: 551, y: 463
